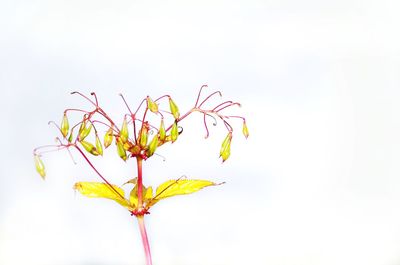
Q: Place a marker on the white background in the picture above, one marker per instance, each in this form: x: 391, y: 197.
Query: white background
x: 317, y: 182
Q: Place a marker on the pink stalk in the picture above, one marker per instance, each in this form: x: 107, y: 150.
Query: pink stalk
x: 140, y: 216
x: 145, y: 240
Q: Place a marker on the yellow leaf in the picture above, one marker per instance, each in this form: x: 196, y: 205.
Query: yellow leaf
x: 148, y: 194
x: 102, y: 190
x: 179, y: 187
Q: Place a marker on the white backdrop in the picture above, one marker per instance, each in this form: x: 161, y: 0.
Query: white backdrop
x: 317, y: 182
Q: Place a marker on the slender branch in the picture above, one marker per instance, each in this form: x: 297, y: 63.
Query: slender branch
x: 98, y: 173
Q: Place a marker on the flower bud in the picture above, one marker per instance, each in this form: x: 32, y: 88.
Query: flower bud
x: 99, y: 146
x: 153, y: 107
x: 108, y: 137
x: 245, y: 130
x: 39, y: 166
x: 143, y: 135
x: 174, y: 132
x: 120, y: 149
x: 225, y: 151
x: 153, y: 146
x: 64, y: 125
x: 124, y: 134
x: 70, y: 137
x: 161, y: 131
x: 83, y: 131
x: 90, y: 148
x: 174, y: 109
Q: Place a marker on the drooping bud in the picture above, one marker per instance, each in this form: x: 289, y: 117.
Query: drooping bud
x: 143, y: 135
x: 99, y: 146
x: 161, y: 131
x: 70, y: 137
x: 64, y: 125
x: 174, y: 109
x: 39, y: 166
x: 245, y: 130
x: 84, y: 131
x: 174, y: 132
x: 153, y: 107
x: 120, y: 149
x: 153, y: 146
x: 90, y: 148
x: 124, y: 133
x: 225, y: 151
x: 108, y: 137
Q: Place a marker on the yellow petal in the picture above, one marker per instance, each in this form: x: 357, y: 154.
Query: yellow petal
x: 102, y: 190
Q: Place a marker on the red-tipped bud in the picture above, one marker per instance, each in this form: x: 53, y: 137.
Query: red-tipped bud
x: 99, y: 146
x: 225, y: 151
x: 124, y: 133
x: 174, y: 132
x: 39, y: 166
x: 152, y: 146
x: 174, y: 109
x: 245, y: 130
x: 64, y: 125
x: 153, y: 107
x: 120, y: 149
x: 161, y: 131
x: 90, y: 148
x: 108, y: 137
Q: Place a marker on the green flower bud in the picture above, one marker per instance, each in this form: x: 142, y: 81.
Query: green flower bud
x: 174, y: 109
x: 120, y: 149
x: 225, y: 151
x: 174, y: 132
x: 153, y: 146
x: 143, y: 135
x: 153, y: 107
x: 245, y: 130
x: 90, y: 148
x: 64, y: 125
x: 161, y: 131
x: 83, y: 131
x: 124, y: 133
x: 39, y: 166
x: 108, y: 137
x: 70, y: 137
x: 99, y: 146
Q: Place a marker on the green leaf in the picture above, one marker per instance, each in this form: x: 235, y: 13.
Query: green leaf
x: 102, y: 190
x: 179, y: 187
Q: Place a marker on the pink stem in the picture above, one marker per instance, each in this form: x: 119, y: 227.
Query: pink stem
x: 145, y: 240
x: 140, y: 217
